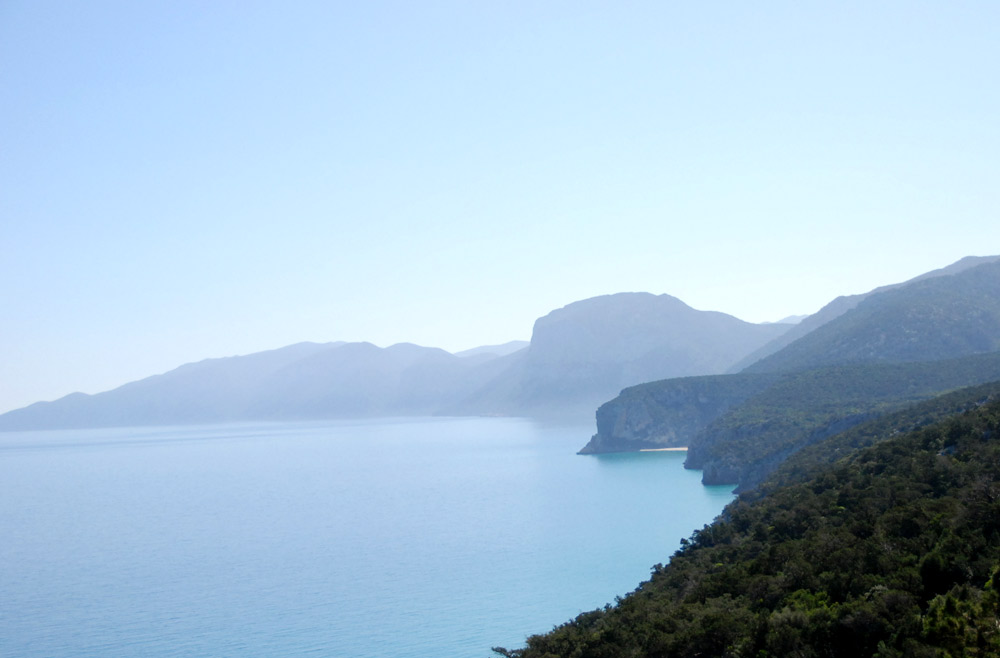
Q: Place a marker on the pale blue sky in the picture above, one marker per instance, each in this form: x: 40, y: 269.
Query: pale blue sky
x: 183, y: 180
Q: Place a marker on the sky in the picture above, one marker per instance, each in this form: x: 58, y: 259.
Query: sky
x: 185, y: 180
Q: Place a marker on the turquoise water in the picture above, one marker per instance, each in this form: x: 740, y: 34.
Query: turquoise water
x: 415, y: 537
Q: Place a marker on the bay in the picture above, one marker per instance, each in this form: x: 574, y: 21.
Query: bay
x: 391, y: 537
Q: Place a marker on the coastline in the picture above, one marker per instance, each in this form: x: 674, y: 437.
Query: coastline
x: 681, y: 449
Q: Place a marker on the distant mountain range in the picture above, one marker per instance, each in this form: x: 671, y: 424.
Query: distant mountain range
x: 578, y: 357
x: 666, y: 359
x: 487, y: 351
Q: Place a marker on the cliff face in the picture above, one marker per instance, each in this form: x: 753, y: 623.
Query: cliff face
x: 671, y: 413
x: 740, y: 428
x: 896, y: 346
x: 586, y: 352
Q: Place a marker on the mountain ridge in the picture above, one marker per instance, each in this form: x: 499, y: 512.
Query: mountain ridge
x: 579, y: 356
x: 845, y: 303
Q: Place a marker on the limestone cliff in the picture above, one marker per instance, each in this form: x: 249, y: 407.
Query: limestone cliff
x: 668, y: 414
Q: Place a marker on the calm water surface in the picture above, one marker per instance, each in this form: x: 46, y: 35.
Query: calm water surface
x: 415, y: 537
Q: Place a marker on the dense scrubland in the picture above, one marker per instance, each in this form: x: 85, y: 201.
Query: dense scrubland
x: 866, y: 447
x: 890, y: 550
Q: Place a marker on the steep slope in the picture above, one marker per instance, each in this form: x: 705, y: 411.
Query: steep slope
x: 748, y: 442
x: 941, y: 317
x: 739, y: 428
x: 894, y: 551
x: 671, y: 413
x: 809, y: 462
x: 843, y: 304
x: 584, y: 353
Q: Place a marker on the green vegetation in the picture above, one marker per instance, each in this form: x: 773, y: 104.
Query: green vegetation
x: 811, y: 460
x: 670, y: 412
x: 750, y: 440
x: 938, y: 318
x: 739, y: 428
x: 892, y: 551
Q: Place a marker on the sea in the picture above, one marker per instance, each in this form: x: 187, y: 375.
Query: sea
x: 366, y: 538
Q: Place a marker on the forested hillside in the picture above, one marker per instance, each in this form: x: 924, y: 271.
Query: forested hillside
x: 739, y: 428
x: 579, y: 356
x: 892, y: 551
x: 927, y: 320
x: 670, y: 413
x: 809, y: 461
x: 845, y: 303
x: 749, y: 441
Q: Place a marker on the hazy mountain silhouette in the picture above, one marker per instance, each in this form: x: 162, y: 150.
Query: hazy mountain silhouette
x: 586, y: 352
x: 360, y: 379
x: 207, y: 391
x: 579, y: 356
x: 494, y: 350
x: 296, y: 382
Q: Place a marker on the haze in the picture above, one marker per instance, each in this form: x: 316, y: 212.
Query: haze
x: 187, y: 180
